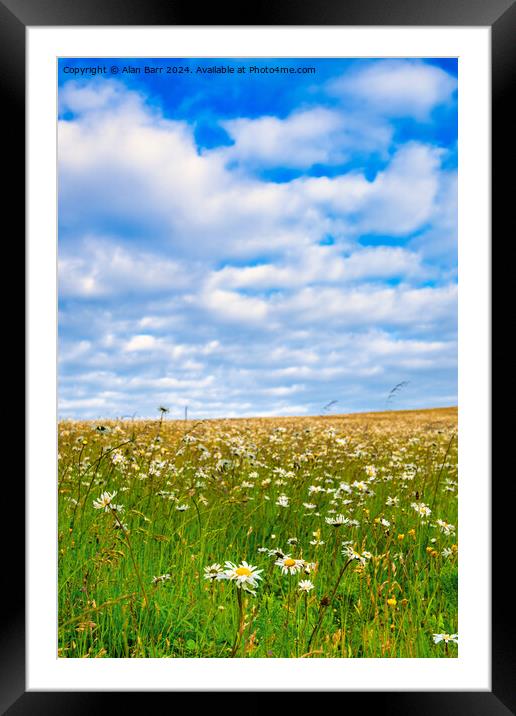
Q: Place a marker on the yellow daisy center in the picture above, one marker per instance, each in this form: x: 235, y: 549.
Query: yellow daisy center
x: 289, y: 562
x: 243, y: 572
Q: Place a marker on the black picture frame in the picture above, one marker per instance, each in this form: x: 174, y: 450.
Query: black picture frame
x: 500, y: 15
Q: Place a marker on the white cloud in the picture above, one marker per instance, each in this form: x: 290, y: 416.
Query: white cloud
x: 402, y: 197
x: 232, y: 306
x: 397, y: 88
x: 284, y: 390
x: 195, y: 282
x: 304, y: 138
x: 142, y: 342
x: 321, y: 265
x: 144, y: 173
x: 366, y: 306
x: 99, y: 267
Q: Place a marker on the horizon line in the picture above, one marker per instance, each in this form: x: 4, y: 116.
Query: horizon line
x: 128, y: 418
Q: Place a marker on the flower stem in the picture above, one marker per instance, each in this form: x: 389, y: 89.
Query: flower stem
x: 327, y: 603
x: 240, y: 628
x: 137, y: 571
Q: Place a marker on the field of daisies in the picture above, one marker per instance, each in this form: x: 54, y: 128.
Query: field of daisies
x: 320, y: 537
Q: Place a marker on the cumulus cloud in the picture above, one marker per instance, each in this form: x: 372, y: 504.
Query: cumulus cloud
x: 409, y: 88
x: 143, y: 175
x: 321, y: 265
x: 187, y: 277
x: 304, y: 138
x: 364, y: 306
x: 99, y: 267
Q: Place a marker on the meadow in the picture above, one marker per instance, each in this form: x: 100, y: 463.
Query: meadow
x: 314, y: 537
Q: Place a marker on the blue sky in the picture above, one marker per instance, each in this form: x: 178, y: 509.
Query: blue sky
x: 257, y: 244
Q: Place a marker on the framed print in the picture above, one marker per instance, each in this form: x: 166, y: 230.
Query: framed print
x: 258, y: 366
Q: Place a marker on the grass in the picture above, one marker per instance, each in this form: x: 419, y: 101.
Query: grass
x: 189, y: 495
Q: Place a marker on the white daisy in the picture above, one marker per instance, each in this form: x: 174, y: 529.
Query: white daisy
x: 337, y: 521
x: 104, y: 501
x: 305, y: 585
x: 244, y: 575
x: 290, y: 565
x: 446, y: 638
x: 422, y: 509
x: 445, y: 527
x: 350, y: 553
x: 161, y: 578
x: 212, y: 572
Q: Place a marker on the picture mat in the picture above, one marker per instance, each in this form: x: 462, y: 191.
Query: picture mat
x: 471, y: 670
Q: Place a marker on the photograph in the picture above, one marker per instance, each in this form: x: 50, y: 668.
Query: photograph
x: 257, y: 404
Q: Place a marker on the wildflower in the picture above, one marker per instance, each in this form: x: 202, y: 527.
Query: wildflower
x: 445, y: 527
x: 310, y: 567
x: 117, y: 458
x: 282, y: 501
x: 392, y: 501
x: 392, y: 601
x: 422, y: 509
x: 161, y: 578
x: 305, y: 585
x: 213, y: 571
x: 315, y: 488
x: 382, y: 521
x: 182, y: 508
x: 337, y: 521
x: 244, y: 575
x: 120, y: 525
x: 115, y: 508
x: 288, y: 564
x: 104, y: 501
x: 309, y: 505
x: 278, y: 553
x: 350, y: 553
x: 446, y: 638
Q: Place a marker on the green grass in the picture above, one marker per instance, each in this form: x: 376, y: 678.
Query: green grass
x: 229, y: 474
